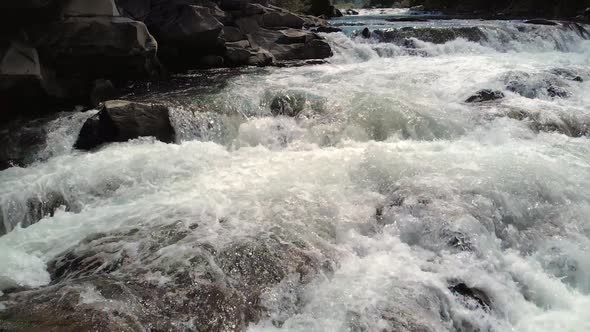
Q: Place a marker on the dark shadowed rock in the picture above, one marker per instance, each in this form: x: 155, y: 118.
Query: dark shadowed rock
x: 540, y: 21
x: 282, y: 19
x: 102, y: 90
x: 366, y: 33
x: 327, y: 29
x: 485, y: 95
x: 431, y: 35
x: 120, y: 121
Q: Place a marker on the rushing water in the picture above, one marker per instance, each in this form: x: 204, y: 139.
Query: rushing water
x: 386, y: 174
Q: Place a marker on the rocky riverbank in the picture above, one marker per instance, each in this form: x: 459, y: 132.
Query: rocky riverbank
x: 72, y: 52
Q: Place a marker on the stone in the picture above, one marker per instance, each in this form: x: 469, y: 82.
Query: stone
x: 232, y: 34
x: 116, y: 47
x: 282, y: 19
x: 102, y: 90
x: 90, y: 8
x: 120, y: 121
x: 485, y: 95
x: 327, y: 29
x: 472, y: 294
x: 291, y: 44
x: 366, y: 33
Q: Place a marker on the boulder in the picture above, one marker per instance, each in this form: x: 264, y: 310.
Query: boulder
x: 101, y: 90
x: 485, y: 95
x: 116, y: 47
x: 366, y: 33
x: 292, y: 44
x: 101, y: 284
x: 184, y: 25
x: 232, y: 34
x: 120, y: 121
x: 20, y: 68
x: 90, y: 8
x: 431, y: 35
x: 282, y: 19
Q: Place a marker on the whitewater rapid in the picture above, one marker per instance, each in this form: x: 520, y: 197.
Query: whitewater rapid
x: 387, y: 173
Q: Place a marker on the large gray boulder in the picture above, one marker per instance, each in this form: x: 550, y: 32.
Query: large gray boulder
x: 120, y: 121
x: 186, y: 30
x: 116, y: 47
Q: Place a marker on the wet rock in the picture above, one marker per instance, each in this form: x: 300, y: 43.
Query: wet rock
x: 327, y: 29
x: 431, y: 35
x: 287, y: 105
x: 556, y: 92
x: 293, y: 102
x: 485, y: 95
x: 351, y: 12
x: 103, y: 283
x: 472, y: 296
x: 535, y: 86
x: 22, y: 140
x: 120, y: 121
x: 567, y: 74
x: 366, y: 33
x: 540, y: 21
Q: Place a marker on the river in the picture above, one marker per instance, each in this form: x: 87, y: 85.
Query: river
x: 388, y: 203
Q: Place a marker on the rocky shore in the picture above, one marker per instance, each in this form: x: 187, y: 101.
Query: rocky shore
x: 68, y: 52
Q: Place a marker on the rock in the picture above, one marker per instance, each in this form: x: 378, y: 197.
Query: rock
x: 282, y: 19
x: 479, y: 297
x: 92, y: 8
x: 556, y: 92
x: 291, y: 44
x: 351, y: 12
x: 183, y: 25
x: 287, y: 105
x: 322, y: 8
x: 21, y: 76
x: 540, y: 21
x: 135, y: 9
x: 100, y: 284
x: 211, y: 61
x: 485, y: 95
x: 232, y: 34
x: 102, y: 90
x: 366, y: 33
x: 567, y: 74
x: 120, y: 121
x: 117, y: 48
x: 431, y: 35
x: 327, y: 29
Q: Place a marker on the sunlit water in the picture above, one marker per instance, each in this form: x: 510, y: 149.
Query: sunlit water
x: 386, y: 171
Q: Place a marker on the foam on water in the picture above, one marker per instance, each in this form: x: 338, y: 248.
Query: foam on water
x: 385, y: 168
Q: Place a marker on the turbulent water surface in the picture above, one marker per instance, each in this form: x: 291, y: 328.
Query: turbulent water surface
x: 387, y: 204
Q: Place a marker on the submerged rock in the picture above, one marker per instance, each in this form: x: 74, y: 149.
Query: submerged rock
x: 104, y: 284
x: 120, y: 121
x: 485, y: 95
x: 470, y: 294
